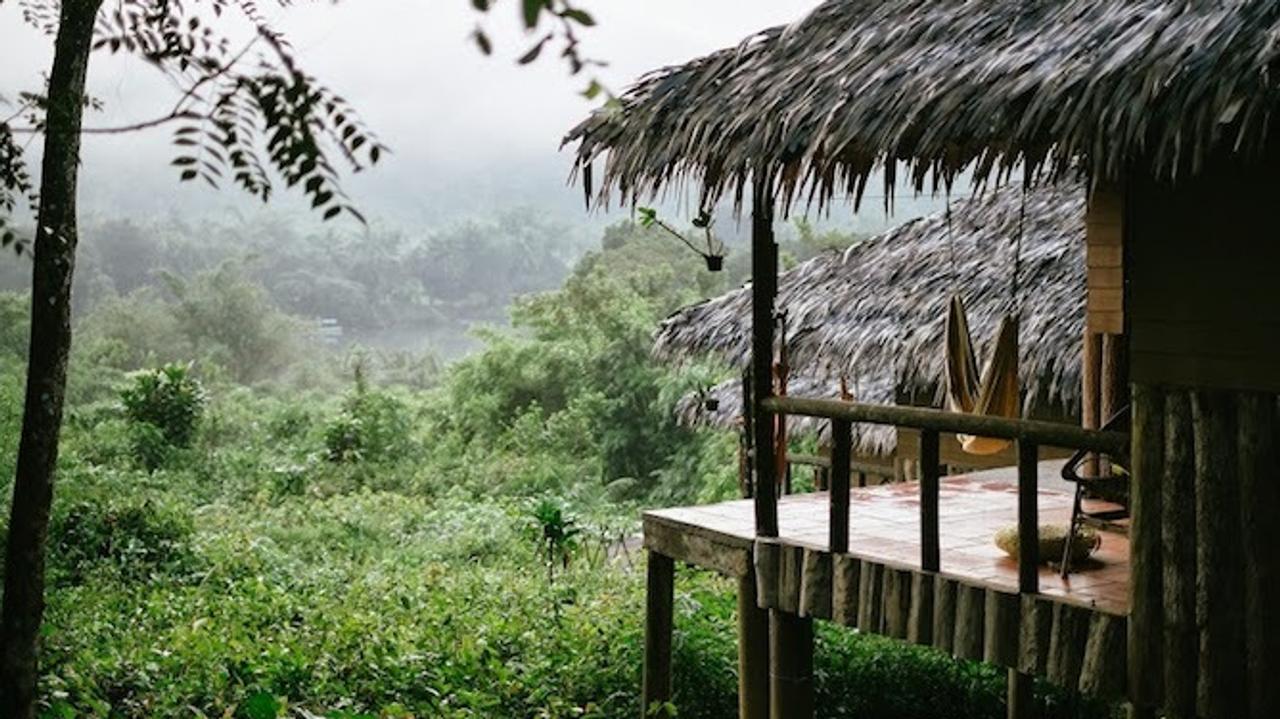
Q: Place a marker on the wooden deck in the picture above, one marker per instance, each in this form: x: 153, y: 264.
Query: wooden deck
x: 1072, y: 631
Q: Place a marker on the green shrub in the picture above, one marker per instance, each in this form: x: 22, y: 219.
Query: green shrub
x: 132, y: 537
x: 374, y: 426
x: 168, y: 399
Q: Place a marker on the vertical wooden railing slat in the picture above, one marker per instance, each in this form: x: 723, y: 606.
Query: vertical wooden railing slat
x: 841, y: 457
x: 930, y: 479
x: 1021, y: 695
x: 1028, y: 518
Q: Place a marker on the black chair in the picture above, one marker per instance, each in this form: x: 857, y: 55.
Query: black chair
x: 1111, y: 486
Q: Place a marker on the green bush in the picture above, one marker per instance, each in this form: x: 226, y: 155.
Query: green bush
x: 168, y: 399
x: 132, y: 537
x: 374, y: 426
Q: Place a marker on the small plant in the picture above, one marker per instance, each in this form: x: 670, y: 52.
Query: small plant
x: 164, y: 407
x: 558, y: 535
x: 373, y: 425
x: 714, y: 252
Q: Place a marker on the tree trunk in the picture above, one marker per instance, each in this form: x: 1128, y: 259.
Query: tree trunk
x: 54, y: 261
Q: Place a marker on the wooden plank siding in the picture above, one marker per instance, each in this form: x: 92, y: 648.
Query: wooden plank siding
x: 1202, y: 302
x: 1104, y: 235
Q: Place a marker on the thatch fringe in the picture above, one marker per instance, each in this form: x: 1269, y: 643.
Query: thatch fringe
x: 1068, y: 87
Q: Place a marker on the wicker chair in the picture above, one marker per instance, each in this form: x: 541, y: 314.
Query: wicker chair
x: 1112, y: 486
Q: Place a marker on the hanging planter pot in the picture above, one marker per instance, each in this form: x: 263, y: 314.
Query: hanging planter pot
x: 713, y: 255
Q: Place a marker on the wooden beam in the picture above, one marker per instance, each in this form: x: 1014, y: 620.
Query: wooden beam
x: 815, y: 584
x: 659, y: 604
x: 1091, y: 394
x: 1052, y: 434
x: 841, y: 451
x: 753, y: 652
x: 791, y: 666
x: 764, y: 288
x: 930, y: 547
x: 844, y: 589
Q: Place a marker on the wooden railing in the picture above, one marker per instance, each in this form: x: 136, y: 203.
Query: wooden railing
x: 1029, y: 435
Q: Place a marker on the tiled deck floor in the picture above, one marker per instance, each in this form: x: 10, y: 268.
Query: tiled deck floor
x: 885, y: 526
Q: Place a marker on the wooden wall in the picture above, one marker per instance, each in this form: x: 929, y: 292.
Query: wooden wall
x: 1202, y: 261
x: 1204, y: 628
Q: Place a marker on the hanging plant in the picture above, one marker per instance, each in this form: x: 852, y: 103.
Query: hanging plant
x: 713, y: 253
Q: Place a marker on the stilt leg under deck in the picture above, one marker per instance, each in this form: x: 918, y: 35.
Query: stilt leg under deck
x: 659, y: 599
x: 1021, y: 696
x: 753, y: 652
x: 791, y: 666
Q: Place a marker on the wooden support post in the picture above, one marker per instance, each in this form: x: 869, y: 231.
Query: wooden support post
x: 930, y: 462
x: 1259, y: 453
x: 1221, y: 691
x: 1146, y: 600
x: 841, y: 455
x: 1091, y: 395
x: 791, y: 666
x: 753, y: 652
x: 1178, y: 544
x: 764, y: 289
x: 1021, y: 696
x: 1028, y: 518
x: 747, y: 442
x: 659, y: 601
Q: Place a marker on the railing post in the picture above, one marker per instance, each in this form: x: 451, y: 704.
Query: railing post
x: 1028, y: 518
x: 930, y: 461
x: 841, y: 457
x: 1021, y: 697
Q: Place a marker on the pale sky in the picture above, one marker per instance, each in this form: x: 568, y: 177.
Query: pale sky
x: 467, y: 132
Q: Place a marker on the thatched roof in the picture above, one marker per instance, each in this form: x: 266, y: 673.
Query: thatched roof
x: 875, y: 313
x: 1069, y: 86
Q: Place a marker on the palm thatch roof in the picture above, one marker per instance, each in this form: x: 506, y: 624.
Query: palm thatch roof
x: 1072, y: 87
x: 875, y: 313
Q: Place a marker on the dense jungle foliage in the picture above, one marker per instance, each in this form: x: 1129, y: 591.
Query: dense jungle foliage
x: 251, y: 523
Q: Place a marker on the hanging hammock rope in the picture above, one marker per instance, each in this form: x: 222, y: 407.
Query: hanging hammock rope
x: 995, y: 391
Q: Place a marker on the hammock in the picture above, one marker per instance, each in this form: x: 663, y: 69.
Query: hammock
x: 995, y: 393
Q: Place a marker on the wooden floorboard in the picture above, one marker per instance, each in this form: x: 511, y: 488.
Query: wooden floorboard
x: 884, y: 526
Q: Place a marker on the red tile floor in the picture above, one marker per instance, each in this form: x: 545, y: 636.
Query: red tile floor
x: 884, y: 525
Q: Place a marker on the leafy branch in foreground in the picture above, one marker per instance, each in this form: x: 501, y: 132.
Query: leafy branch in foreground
x: 565, y: 18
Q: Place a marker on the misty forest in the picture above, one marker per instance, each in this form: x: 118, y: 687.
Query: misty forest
x: 563, y: 358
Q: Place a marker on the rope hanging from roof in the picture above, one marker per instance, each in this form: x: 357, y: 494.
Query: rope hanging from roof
x: 996, y: 391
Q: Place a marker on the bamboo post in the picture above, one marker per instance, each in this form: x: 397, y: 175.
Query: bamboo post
x: 764, y: 284
x: 659, y: 603
x: 1178, y: 544
x: 1221, y: 691
x: 791, y: 666
x: 753, y: 652
x: 930, y: 547
x: 1146, y: 597
x: 841, y: 451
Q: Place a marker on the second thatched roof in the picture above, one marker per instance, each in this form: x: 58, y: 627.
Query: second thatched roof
x: 1087, y: 86
x: 875, y: 313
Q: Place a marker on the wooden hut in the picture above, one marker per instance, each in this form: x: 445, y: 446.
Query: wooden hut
x: 1164, y: 109
x: 874, y: 314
